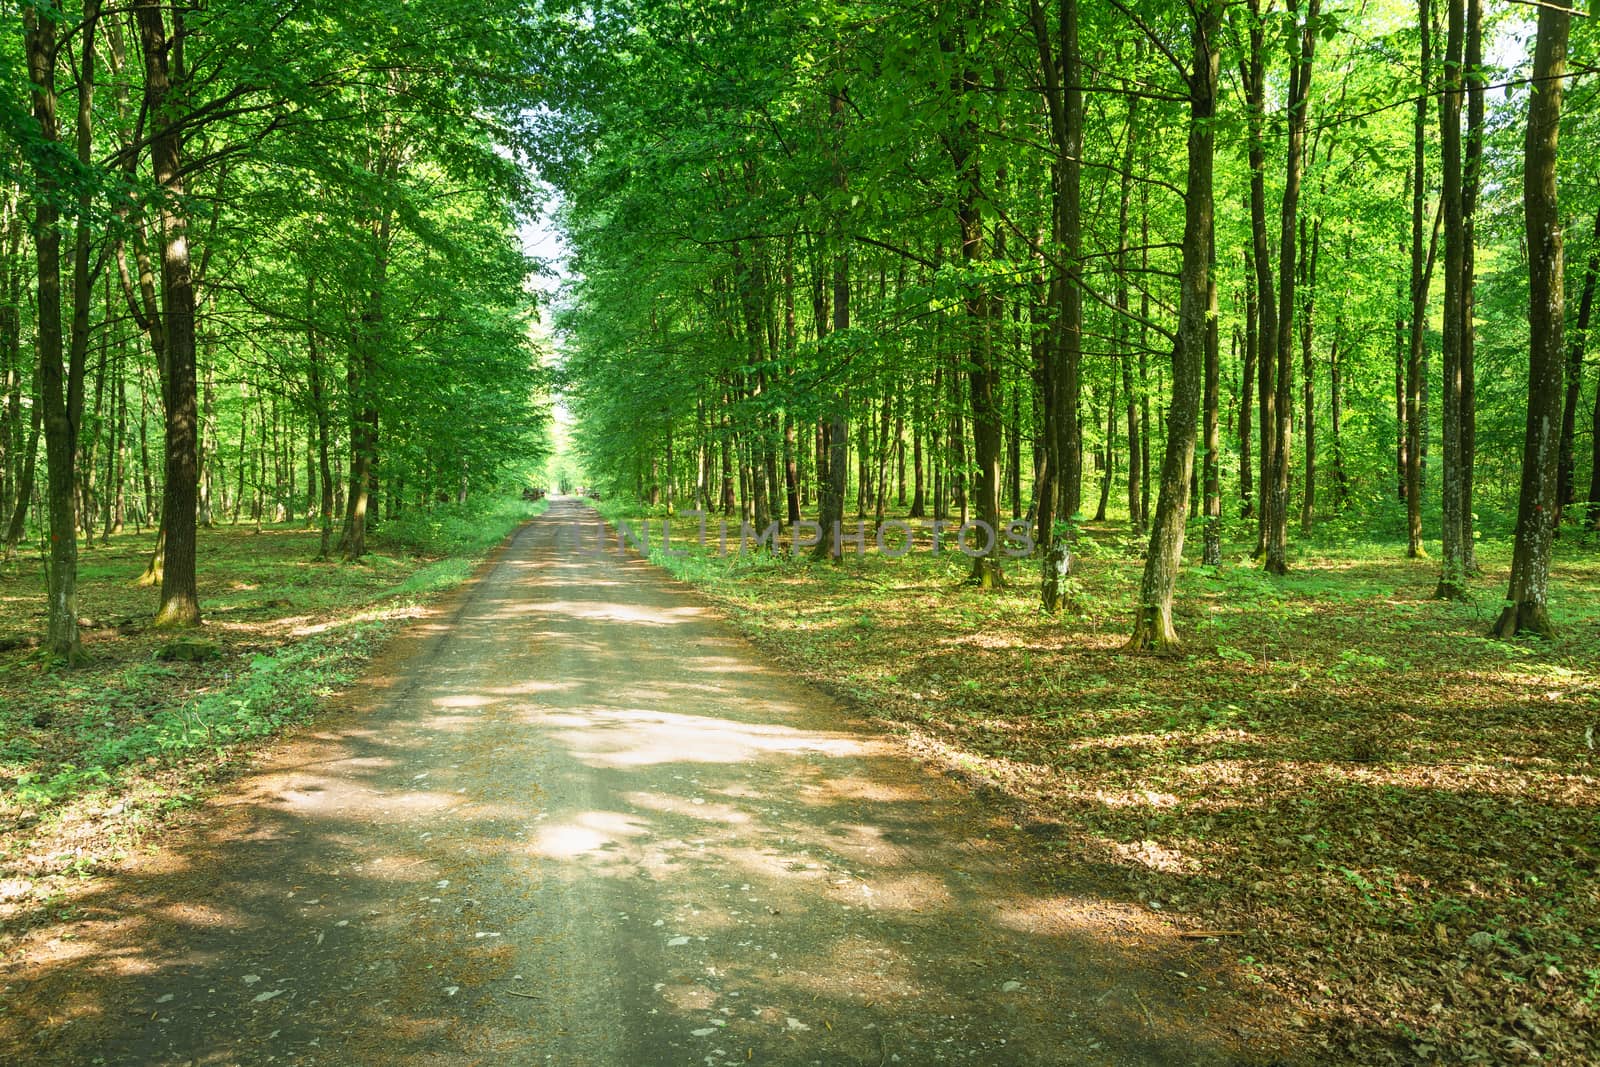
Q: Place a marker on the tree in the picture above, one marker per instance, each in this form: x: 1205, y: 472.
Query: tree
x: 1275, y: 491
x: 1152, y: 628
x: 1059, y: 62
x: 1526, y: 608
x: 164, y: 85
x: 1453, y: 563
x: 61, y: 373
x: 1421, y: 269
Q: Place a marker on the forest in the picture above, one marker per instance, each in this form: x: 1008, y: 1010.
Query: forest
x: 1260, y: 325
x: 1279, y: 263
x: 1271, y: 317
x: 256, y: 260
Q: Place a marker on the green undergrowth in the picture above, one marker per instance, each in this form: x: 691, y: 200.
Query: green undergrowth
x: 271, y: 691
x: 135, y: 729
x: 1394, y: 815
x: 464, y: 530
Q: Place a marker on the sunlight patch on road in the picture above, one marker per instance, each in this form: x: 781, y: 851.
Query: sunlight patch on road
x: 635, y: 737
x: 691, y: 808
x: 589, y: 831
x: 565, y: 842
x: 533, y: 687
x: 465, y: 700
x: 605, y: 611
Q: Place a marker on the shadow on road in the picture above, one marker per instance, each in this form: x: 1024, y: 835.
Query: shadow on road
x: 574, y: 819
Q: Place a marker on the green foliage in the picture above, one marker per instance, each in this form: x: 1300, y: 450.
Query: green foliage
x: 469, y: 530
x: 268, y: 692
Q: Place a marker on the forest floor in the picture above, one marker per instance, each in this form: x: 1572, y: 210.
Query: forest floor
x: 1386, y: 822
x: 1395, y: 819
x: 93, y: 760
x: 575, y: 818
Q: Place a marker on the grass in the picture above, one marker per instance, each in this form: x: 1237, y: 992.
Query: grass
x: 1400, y: 816
x: 91, y: 758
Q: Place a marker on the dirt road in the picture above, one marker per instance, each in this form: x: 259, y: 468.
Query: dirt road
x: 575, y: 819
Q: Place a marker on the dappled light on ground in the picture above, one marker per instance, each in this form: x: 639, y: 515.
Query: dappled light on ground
x: 550, y: 836
x: 1390, y: 817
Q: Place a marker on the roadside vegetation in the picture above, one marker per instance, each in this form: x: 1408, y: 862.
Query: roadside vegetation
x: 91, y: 759
x: 1389, y: 818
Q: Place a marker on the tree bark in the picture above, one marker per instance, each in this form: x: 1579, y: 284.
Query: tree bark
x: 1153, y: 627
x: 1124, y: 210
x: 1211, y: 553
x: 60, y: 373
x: 25, y: 478
x: 832, y: 486
x: 983, y: 373
x: 1308, y: 381
x: 1060, y: 65
x: 1471, y: 180
x: 319, y: 409
x: 1526, y: 607
x: 1415, y: 371
x: 1277, y: 490
x: 1566, y: 488
x: 918, y: 501
x: 1254, y: 78
x: 1452, y: 564
x: 1247, y: 381
x: 164, y: 78
x: 1341, y: 480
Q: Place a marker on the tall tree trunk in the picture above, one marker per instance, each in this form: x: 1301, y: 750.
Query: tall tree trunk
x: 1144, y: 356
x: 1071, y: 310
x: 1526, y: 600
x: 1452, y: 564
x: 11, y: 272
x: 319, y: 409
x: 1059, y: 63
x: 25, y: 478
x: 1277, y: 491
x: 244, y: 463
x: 1252, y: 350
x: 919, y: 504
x: 164, y: 84
x: 207, y: 452
x: 1107, y: 455
x: 1416, y: 378
x: 1124, y: 209
x: 983, y: 373
x: 1471, y: 182
x: 1402, y: 426
x: 360, y: 373
x: 1211, y: 550
x: 116, y: 453
x: 1592, y: 513
x: 1341, y: 481
x: 832, y: 487
x: 1153, y: 627
x: 1308, y: 383
x: 60, y: 373
x: 791, y: 473
x: 1045, y: 371
x: 1013, y: 452
x: 1254, y: 77
x: 725, y: 498
x: 1565, y: 483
